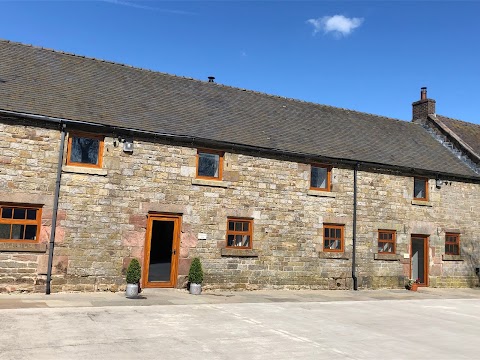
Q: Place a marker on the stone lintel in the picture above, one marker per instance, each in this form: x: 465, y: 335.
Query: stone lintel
x: 25, y: 198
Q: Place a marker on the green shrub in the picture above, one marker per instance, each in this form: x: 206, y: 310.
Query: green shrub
x: 134, y: 272
x: 195, y: 275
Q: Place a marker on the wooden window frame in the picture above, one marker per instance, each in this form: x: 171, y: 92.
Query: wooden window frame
x: 425, y: 180
x: 329, y: 177
x: 452, y: 243
x: 342, y: 237
x: 220, y: 164
x: 37, y: 222
x: 393, y: 241
x: 100, y: 138
x: 235, y: 232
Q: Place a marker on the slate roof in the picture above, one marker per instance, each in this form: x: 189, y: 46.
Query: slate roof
x: 468, y: 133
x: 50, y: 83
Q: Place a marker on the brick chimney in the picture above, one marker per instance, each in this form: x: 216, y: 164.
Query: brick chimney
x: 423, y: 107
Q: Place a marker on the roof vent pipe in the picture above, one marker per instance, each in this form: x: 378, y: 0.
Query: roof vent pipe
x: 211, y: 79
x: 423, y: 93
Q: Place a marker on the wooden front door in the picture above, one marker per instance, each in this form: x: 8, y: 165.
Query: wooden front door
x: 419, y: 259
x: 161, y: 251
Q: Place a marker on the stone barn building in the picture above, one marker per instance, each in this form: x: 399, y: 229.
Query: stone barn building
x: 101, y: 163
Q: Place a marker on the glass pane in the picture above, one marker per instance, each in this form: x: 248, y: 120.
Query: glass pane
x: 338, y: 234
x: 17, y: 231
x: 4, y: 231
x: 336, y: 245
x: 319, y: 177
x: 31, y: 214
x: 385, y: 247
x: 419, y: 189
x: 238, y: 226
x: 455, y: 250
x: 246, y: 240
x: 245, y: 226
x: 326, y: 232
x: 7, y: 213
x: 31, y: 232
x: 230, y: 240
x: 19, y: 213
x: 84, y: 150
x: 238, y: 240
x: 231, y: 225
x: 208, y: 164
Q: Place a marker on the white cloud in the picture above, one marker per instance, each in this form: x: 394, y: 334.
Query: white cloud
x: 337, y: 24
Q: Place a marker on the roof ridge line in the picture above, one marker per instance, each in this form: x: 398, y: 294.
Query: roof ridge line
x: 66, y: 53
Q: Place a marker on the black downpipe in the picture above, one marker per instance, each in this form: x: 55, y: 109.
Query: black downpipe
x: 354, y: 249
x: 55, y: 210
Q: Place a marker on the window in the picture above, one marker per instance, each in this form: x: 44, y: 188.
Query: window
x: 333, y: 238
x: 420, y: 189
x: 209, y: 164
x: 320, y: 177
x: 19, y: 223
x: 452, y: 244
x: 85, y: 150
x: 386, y: 242
x: 239, y: 233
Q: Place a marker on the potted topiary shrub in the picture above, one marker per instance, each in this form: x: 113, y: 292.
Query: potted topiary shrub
x: 134, y: 273
x: 195, y: 277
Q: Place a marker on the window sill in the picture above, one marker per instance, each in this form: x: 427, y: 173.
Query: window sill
x: 84, y: 170
x: 211, y: 183
x: 334, y: 255
x: 387, y: 257
x: 22, y: 247
x: 320, y: 193
x: 239, y: 252
x: 446, y: 257
x: 421, y: 203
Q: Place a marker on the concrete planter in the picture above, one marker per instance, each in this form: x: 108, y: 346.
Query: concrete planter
x: 195, y: 289
x: 132, y: 291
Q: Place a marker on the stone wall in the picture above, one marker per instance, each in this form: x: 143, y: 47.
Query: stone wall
x: 103, y: 218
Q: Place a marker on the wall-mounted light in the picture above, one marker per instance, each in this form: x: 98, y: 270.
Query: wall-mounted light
x: 128, y: 145
x: 438, y: 183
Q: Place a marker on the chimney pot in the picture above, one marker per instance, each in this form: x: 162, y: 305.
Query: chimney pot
x: 423, y: 93
x: 211, y: 79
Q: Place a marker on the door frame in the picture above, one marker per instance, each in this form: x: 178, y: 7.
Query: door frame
x: 426, y: 256
x: 177, y: 222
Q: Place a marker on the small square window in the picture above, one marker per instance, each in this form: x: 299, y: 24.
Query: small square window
x: 452, y: 244
x: 333, y: 238
x: 320, y: 177
x: 239, y: 233
x: 85, y: 150
x: 420, y: 189
x: 19, y: 223
x: 209, y: 164
x: 386, y: 242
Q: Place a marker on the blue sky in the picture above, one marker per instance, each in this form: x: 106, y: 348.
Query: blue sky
x: 370, y: 56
